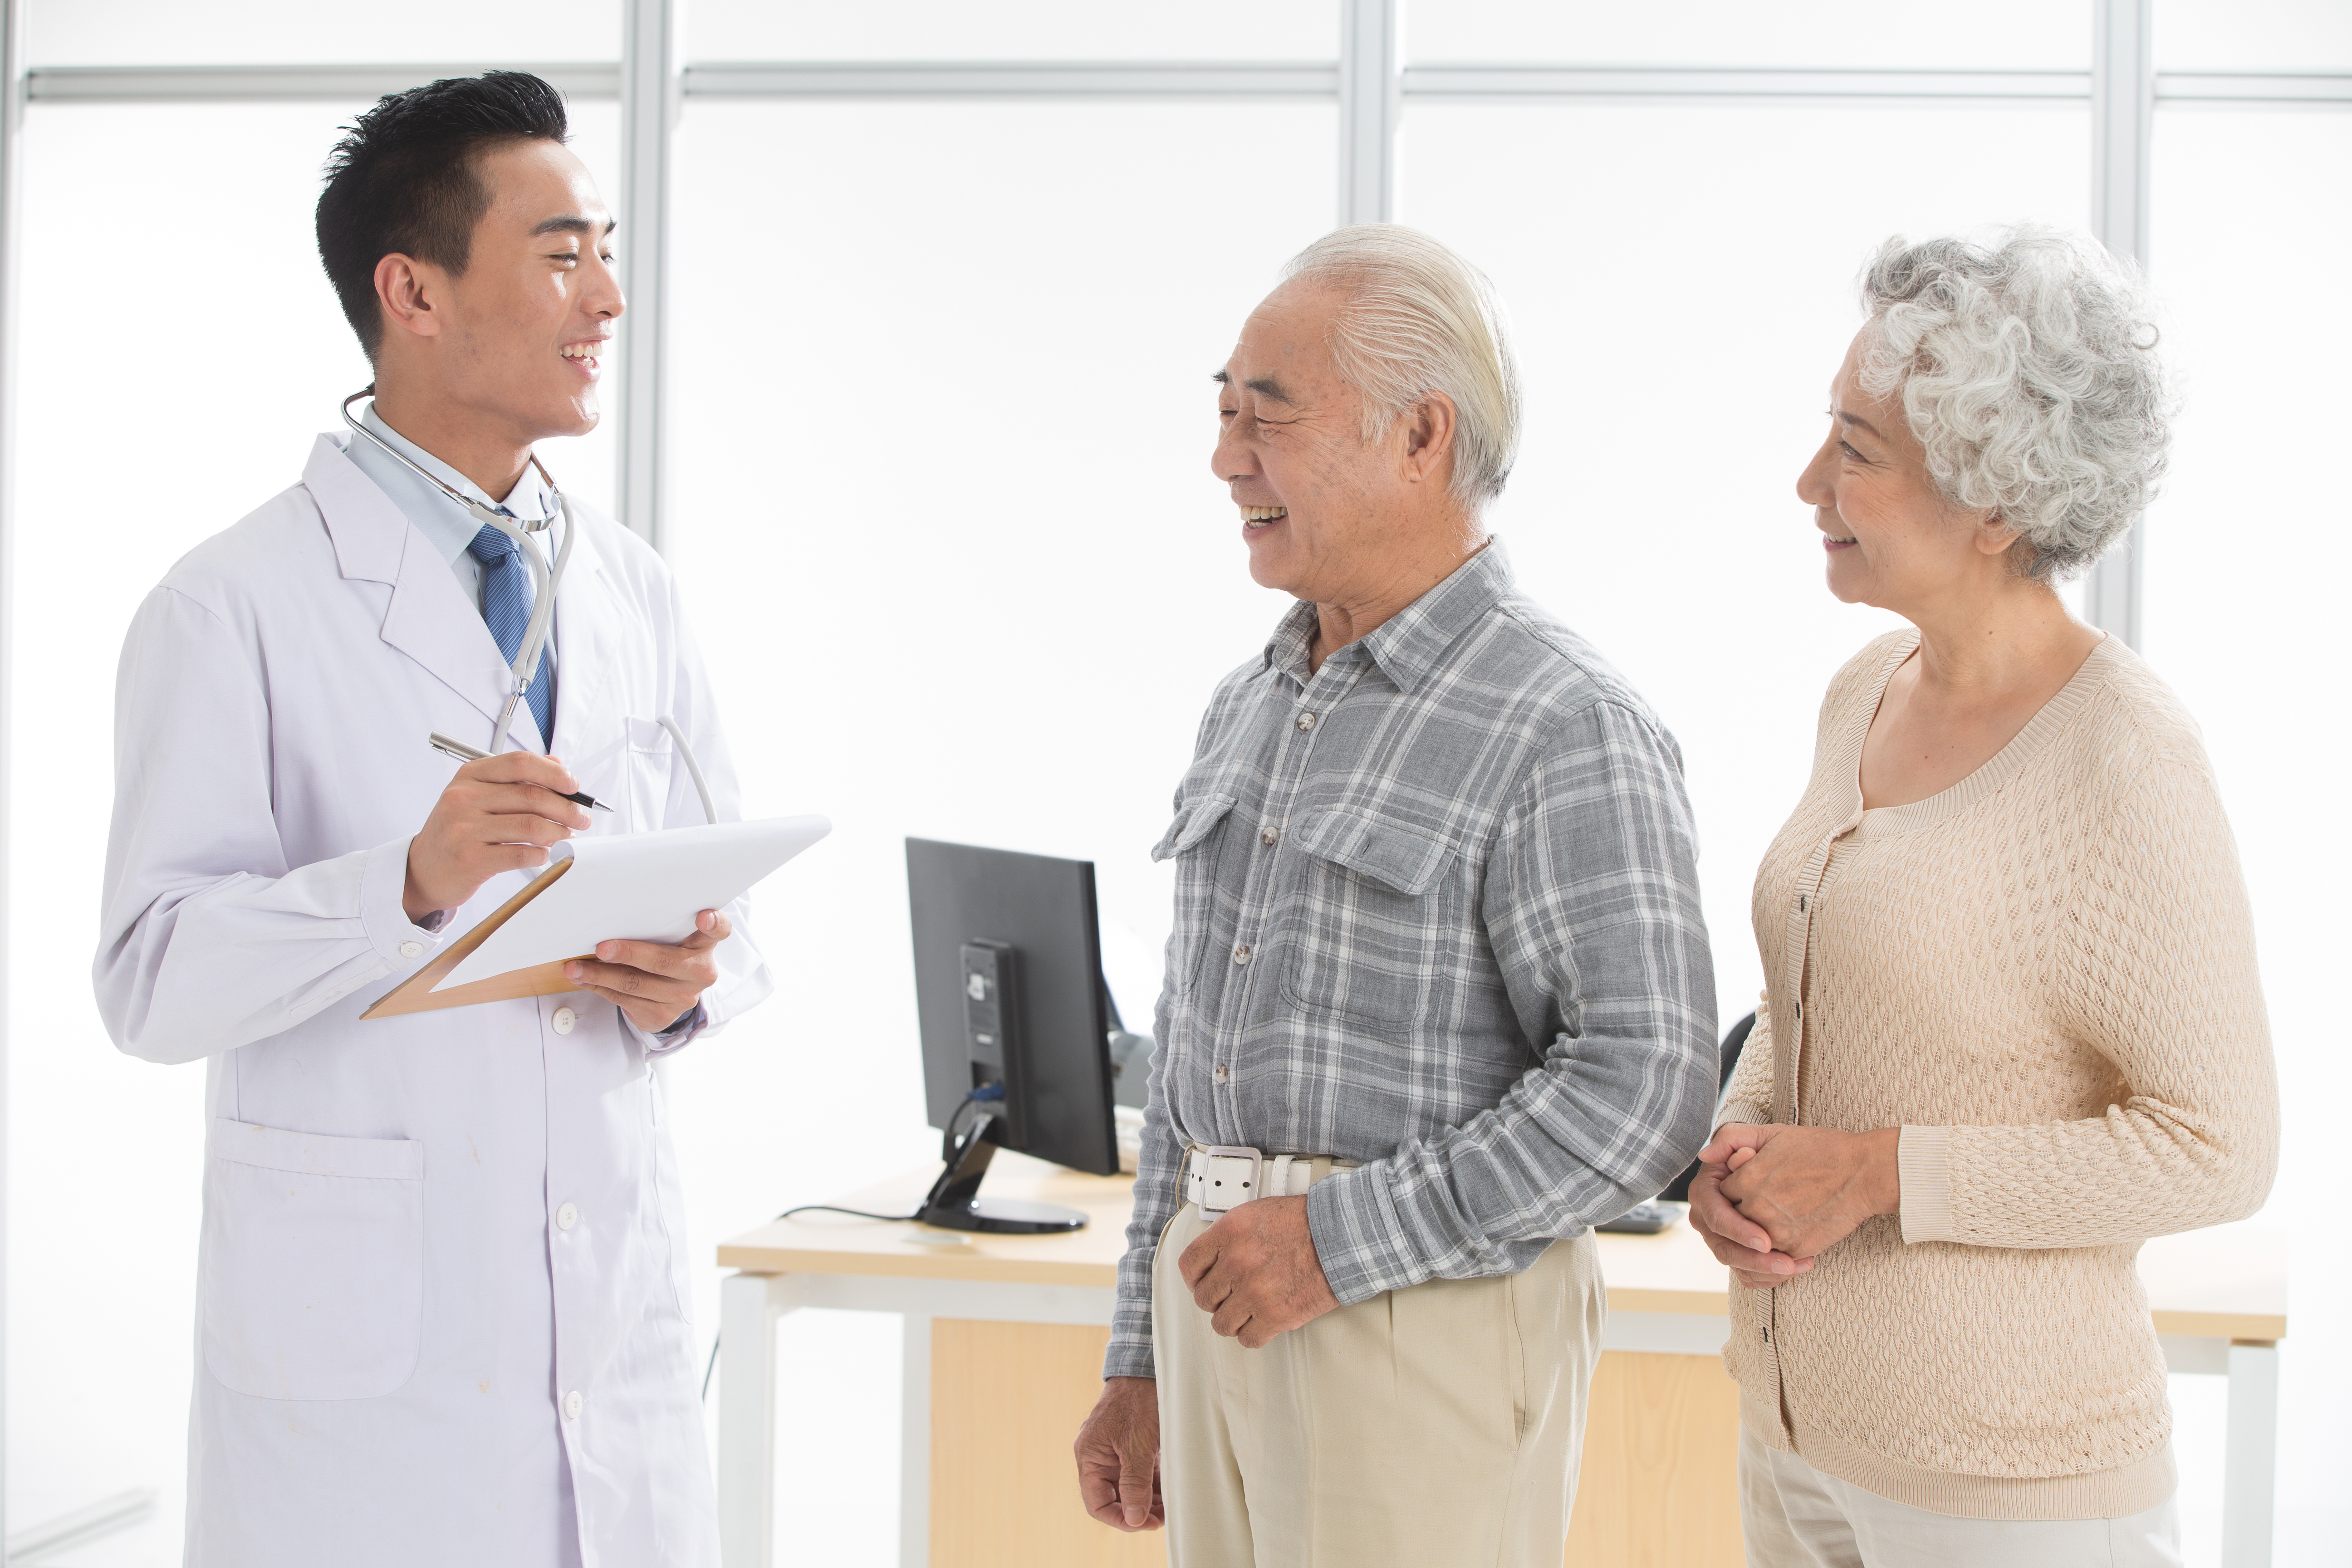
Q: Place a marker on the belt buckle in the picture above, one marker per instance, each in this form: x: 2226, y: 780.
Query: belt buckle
x: 1230, y: 1177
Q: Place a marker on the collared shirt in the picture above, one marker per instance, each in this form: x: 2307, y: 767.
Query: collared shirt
x: 1437, y: 910
x: 446, y: 526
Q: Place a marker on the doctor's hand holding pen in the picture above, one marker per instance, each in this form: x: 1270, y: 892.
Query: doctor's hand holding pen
x: 499, y: 814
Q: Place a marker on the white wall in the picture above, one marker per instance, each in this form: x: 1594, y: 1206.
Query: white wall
x: 2249, y: 552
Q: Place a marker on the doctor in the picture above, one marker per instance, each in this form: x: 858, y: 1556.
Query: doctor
x: 442, y: 1295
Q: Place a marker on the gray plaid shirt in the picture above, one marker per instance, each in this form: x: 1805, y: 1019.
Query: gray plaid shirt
x: 1436, y: 911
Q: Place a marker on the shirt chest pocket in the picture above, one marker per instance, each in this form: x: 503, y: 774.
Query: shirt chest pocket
x: 648, y: 759
x: 1379, y: 925
x: 1193, y: 841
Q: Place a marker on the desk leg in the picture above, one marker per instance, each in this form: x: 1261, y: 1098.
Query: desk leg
x: 747, y: 1308
x: 2249, y: 1482
x: 915, y: 1446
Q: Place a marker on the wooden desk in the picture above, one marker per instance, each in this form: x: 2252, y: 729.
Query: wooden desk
x: 1004, y: 1337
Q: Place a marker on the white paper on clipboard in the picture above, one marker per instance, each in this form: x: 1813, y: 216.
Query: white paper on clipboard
x: 638, y: 886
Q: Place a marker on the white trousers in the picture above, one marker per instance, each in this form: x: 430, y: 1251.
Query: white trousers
x: 1796, y: 1517
x: 1423, y: 1428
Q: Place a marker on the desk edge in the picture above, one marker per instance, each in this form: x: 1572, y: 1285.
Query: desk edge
x: 946, y: 1265
x: 2223, y: 1325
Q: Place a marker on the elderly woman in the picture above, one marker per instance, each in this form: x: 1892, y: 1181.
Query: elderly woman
x: 2012, y: 1026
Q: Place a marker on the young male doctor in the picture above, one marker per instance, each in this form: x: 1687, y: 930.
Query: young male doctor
x: 442, y: 1293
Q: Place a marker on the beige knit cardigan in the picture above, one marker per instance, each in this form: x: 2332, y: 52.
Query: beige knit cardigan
x: 2046, y: 976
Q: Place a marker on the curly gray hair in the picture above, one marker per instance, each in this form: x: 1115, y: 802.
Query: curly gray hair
x: 2028, y: 371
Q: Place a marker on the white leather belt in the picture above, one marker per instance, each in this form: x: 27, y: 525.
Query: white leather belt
x: 1226, y: 1177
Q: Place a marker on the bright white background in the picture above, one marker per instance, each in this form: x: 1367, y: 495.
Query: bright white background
x: 2247, y: 559
x: 1992, y: 34
x: 1028, y: 31
x: 945, y: 521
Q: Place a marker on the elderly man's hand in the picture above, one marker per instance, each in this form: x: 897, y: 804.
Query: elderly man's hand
x: 1255, y: 1273
x: 1118, y: 1456
x: 1809, y: 1187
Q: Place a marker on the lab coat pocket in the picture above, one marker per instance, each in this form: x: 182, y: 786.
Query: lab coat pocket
x: 311, y: 1282
x: 650, y: 756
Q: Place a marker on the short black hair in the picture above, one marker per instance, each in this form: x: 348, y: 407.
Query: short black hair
x: 406, y: 178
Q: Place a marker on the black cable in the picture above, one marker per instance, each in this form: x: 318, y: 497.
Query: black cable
x: 985, y: 1093
x: 836, y: 1208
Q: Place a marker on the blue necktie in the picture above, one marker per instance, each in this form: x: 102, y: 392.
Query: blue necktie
x: 507, y: 592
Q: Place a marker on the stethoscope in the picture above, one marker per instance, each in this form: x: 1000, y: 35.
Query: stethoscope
x: 546, y: 583
x: 543, y: 609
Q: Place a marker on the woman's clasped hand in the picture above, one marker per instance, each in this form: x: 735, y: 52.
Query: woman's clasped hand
x: 1770, y: 1199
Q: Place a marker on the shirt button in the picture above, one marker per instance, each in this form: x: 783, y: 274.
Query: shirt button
x: 1241, y: 954
x: 1306, y: 721
x: 567, y: 1216
x: 564, y: 1020
x: 1221, y: 1073
x: 1269, y: 835
x: 410, y: 949
x: 571, y: 1403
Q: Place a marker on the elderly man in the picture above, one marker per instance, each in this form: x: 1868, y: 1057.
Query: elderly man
x: 1438, y: 1000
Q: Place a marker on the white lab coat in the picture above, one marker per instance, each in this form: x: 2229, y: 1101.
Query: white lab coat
x: 442, y: 1299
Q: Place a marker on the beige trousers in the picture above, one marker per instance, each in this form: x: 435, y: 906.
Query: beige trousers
x: 1423, y: 1428
x: 1796, y: 1517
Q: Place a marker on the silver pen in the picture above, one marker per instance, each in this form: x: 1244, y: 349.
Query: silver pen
x: 466, y: 753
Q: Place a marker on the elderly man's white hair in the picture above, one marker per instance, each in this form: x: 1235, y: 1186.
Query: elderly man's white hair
x: 1418, y: 319
x: 2028, y: 371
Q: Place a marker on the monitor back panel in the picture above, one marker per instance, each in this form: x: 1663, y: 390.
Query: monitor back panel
x: 1045, y: 908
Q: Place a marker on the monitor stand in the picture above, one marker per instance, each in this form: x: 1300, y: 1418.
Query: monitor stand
x: 955, y: 1202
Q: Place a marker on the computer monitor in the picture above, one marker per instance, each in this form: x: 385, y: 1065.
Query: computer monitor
x: 1015, y: 1024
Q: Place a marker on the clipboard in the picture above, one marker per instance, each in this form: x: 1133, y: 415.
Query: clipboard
x: 645, y: 887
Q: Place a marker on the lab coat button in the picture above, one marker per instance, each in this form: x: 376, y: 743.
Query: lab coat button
x: 571, y: 1403
x: 567, y: 1216
x: 411, y: 950
x: 564, y: 1020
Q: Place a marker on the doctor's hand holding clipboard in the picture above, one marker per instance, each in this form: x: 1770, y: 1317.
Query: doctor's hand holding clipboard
x: 502, y: 814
